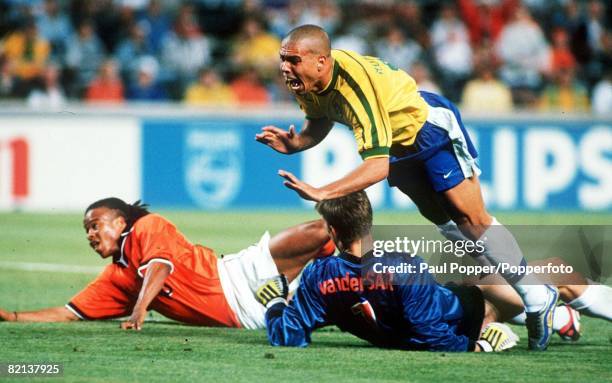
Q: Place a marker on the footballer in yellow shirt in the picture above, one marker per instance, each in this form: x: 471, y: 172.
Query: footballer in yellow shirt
x: 415, y: 139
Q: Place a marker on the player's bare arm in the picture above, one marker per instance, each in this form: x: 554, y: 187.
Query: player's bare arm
x: 51, y: 314
x: 290, y: 141
x: 152, y: 284
x: 370, y: 171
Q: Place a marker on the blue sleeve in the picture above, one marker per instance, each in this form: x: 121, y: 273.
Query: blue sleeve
x: 426, y: 309
x: 292, y: 325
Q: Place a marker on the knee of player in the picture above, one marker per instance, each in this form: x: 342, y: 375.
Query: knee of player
x: 317, y: 226
x: 556, y: 261
x: 434, y: 214
x: 317, y: 229
x: 476, y: 219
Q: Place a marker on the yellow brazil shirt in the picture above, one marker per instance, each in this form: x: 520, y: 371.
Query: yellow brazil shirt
x: 377, y: 101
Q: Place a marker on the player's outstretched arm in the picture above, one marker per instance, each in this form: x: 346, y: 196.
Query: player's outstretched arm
x: 153, y: 282
x: 370, y: 171
x: 52, y: 314
x: 289, y: 141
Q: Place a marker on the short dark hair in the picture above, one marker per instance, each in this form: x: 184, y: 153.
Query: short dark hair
x: 314, y: 32
x: 350, y: 216
x: 130, y: 212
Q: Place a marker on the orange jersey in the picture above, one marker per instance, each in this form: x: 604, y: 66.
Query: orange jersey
x: 192, y: 293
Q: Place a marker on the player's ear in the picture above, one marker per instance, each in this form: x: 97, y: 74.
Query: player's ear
x: 119, y: 222
x: 334, y: 236
x: 320, y: 62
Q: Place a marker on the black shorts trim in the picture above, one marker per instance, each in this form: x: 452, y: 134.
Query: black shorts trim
x: 473, y: 304
x: 78, y: 312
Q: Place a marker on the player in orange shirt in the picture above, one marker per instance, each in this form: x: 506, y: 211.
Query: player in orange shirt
x: 154, y: 267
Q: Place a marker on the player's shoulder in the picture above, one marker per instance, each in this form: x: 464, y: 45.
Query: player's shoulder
x: 152, y: 221
x: 344, y: 54
x: 349, y: 60
x: 324, y: 261
x: 151, y: 218
x: 318, y: 265
x: 319, y: 269
x: 346, y: 60
x: 332, y: 263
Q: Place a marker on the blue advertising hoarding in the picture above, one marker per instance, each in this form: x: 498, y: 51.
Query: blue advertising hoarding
x: 217, y: 164
x: 211, y: 164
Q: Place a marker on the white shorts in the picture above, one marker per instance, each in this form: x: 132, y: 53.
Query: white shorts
x: 241, y: 274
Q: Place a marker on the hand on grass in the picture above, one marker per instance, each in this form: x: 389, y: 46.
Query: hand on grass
x: 7, y: 316
x: 135, y: 320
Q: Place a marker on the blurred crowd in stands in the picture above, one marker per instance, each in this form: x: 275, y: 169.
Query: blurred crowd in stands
x: 486, y: 55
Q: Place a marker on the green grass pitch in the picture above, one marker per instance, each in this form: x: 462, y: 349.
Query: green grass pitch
x: 166, y: 351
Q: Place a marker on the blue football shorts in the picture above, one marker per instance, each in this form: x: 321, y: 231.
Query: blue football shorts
x: 442, y: 148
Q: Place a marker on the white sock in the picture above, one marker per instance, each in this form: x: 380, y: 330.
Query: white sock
x: 560, y: 318
x: 596, y: 301
x: 501, y: 247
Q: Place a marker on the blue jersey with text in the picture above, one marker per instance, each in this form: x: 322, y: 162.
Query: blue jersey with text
x: 407, y: 311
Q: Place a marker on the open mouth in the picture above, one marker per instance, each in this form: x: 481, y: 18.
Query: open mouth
x: 94, y: 244
x: 294, y: 84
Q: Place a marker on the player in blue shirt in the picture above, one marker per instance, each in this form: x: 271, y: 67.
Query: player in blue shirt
x: 405, y: 311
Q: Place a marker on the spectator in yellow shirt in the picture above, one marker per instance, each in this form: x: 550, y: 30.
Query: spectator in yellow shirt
x: 256, y: 48
x: 565, y: 94
x: 209, y: 89
x: 486, y: 93
x: 26, y: 51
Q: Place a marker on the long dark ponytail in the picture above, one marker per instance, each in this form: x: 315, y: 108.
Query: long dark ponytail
x: 130, y: 212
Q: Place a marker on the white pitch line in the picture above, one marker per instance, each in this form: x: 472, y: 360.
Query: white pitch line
x: 50, y: 267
